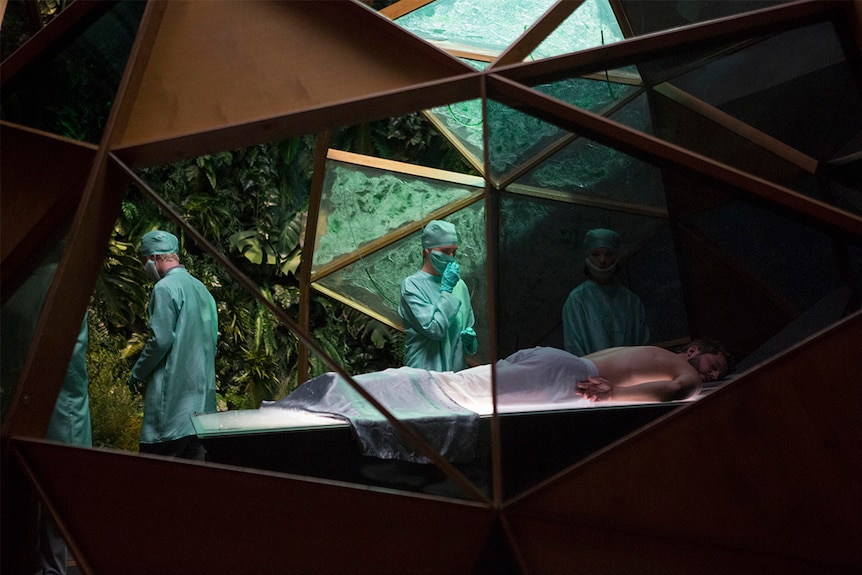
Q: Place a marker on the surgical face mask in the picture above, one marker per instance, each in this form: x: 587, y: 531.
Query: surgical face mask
x: 151, y: 271
x: 440, y: 260
x: 601, y: 274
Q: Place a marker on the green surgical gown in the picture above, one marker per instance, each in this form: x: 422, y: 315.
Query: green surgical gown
x: 70, y: 421
x: 433, y: 321
x: 178, y: 362
x: 597, y: 317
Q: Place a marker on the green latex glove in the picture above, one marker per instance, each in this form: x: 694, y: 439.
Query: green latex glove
x: 451, y: 277
x: 468, y: 338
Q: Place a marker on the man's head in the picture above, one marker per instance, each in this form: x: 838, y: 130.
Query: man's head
x: 159, y: 252
x: 439, y: 245
x: 159, y: 242
x: 439, y: 234
x: 709, y: 358
x: 602, y: 247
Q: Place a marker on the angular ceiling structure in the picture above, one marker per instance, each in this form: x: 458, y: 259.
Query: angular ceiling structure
x: 722, y: 139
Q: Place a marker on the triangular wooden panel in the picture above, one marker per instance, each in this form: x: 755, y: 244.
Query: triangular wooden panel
x: 761, y: 476
x: 138, y: 514
x: 233, y: 64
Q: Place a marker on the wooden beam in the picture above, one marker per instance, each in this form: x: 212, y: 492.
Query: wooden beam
x: 399, y: 9
x: 537, y: 32
x: 311, y: 229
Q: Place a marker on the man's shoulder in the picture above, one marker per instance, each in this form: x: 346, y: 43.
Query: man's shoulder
x: 418, y: 279
x: 180, y: 279
x: 587, y: 286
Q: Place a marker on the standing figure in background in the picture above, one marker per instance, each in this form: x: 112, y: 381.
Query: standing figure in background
x: 70, y: 422
x: 435, y: 306
x: 601, y: 313
x: 176, y: 370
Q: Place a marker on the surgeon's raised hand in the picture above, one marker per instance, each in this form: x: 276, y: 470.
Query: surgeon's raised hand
x: 136, y: 386
x: 468, y: 338
x: 450, y: 278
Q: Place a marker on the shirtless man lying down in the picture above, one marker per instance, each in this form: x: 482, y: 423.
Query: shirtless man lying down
x: 544, y: 375
x: 648, y: 373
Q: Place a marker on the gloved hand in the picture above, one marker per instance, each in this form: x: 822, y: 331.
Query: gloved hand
x: 136, y: 386
x: 451, y: 276
x: 468, y: 338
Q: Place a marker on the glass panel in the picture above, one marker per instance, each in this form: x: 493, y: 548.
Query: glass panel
x: 71, y: 93
x: 587, y: 168
x: 801, y: 74
x: 461, y: 123
x: 491, y: 26
x: 361, y: 204
x: 594, y: 95
x: 525, y: 136
x: 737, y: 226
x: 647, y: 16
x: 541, y: 246
x: 18, y: 319
x: 720, y: 268
x: 374, y: 282
x: 735, y: 106
x: 592, y: 24
x: 488, y: 26
x: 515, y: 137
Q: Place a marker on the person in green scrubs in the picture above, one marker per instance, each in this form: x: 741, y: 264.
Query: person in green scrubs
x: 70, y: 421
x: 176, y: 370
x: 435, y: 306
x: 600, y: 312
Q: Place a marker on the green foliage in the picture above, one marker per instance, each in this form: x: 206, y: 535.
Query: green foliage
x: 19, y: 23
x: 282, y: 251
x: 357, y: 342
x: 251, y: 204
x: 120, y: 298
x: 116, y: 414
x: 257, y: 355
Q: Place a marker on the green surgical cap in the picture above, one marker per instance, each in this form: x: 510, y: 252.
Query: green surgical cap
x: 602, y: 238
x: 439, y: 233
x: 159, y: 242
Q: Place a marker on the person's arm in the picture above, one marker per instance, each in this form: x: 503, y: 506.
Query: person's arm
x: 163, y: 321
x: 599, y: 389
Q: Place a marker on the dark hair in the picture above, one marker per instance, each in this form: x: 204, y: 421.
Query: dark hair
x: 714, y: 347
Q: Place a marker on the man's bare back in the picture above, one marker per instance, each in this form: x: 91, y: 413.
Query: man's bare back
x: 648, y: 373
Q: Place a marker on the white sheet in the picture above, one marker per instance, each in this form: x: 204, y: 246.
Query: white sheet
x: 471, y: 388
